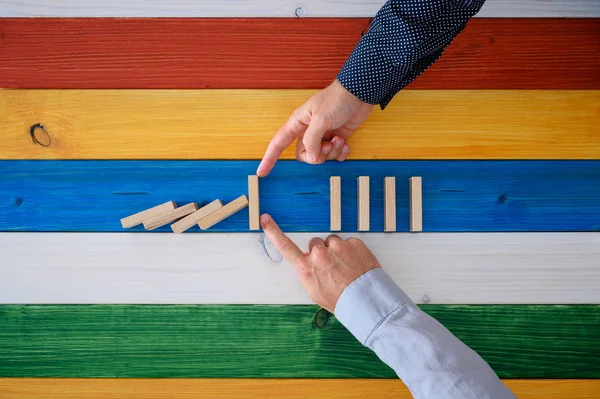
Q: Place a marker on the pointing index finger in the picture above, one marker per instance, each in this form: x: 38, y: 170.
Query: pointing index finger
x: 283, y: 243
x: 282, y: 140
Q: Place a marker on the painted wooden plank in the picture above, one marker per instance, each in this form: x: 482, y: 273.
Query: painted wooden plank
x: 207, y: 124
x: 241, y: 53
x: 460, y: 196
x: 109, y: 388
x: 243, y: 268
x: 524, y: 341
x: 265, y: 8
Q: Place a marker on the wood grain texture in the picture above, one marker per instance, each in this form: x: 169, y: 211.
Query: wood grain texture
x: 238, y: 124
x: 363, y: 214
x: 109, y: 388
x: 415, y: 192
x: 253, y: 203
x: 460, y: 196
x: 389, y: 203
x: 187, y: 53
x: 439, y: 268
x: 192, y: 219
x: 335, y: 203
x: 266, y: 8
x: 523, y: 341
x: 140, y: 217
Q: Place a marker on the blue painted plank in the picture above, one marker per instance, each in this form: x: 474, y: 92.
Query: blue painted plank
x: 457, y: 195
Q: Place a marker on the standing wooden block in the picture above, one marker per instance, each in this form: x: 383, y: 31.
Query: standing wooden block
x: 416, y: 203
x: 224, y: 212
x: 335, y: 203
x: 193, y: 218
x: 170, y: 216
x: 389, y: 194
x: 139, y: 217
x: 253, y: 202
x: 363, y: 203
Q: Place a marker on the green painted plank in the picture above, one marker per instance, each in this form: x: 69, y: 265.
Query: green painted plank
x: 519, y: 341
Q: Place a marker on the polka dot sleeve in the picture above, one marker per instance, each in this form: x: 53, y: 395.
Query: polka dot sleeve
x: 405, y: 38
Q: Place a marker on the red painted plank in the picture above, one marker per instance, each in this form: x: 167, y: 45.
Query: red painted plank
x: 282, y: 53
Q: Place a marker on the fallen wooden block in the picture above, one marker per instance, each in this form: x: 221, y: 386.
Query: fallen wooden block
x: 253, y: 202
x: 363, y: 203
x: 335, y: 203
x: 140, y: 217
x: 223, y: 212
x: 193, y: 218
x: 416, y: 203
x: 170, y: 216
x: 389, y: 197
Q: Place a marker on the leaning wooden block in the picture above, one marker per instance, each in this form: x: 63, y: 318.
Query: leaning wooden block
x: 140, y: 217
x: 363, y: 203
x: 253, y: 202
x: 224, y: 212
x: 416, y: 204
x: 335, y: 203
x: 193, y: 218
x: 389, y: 196
x: 170, y: 216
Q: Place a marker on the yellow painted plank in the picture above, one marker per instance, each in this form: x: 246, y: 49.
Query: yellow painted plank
x: 238, y: 124
x: 49, y: 388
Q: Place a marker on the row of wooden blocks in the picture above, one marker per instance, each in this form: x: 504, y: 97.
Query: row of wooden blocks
x: 389, y: 198
x: 185, y: 217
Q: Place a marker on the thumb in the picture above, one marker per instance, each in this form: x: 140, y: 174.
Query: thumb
x: 282, y: 243
x: 313, y: 137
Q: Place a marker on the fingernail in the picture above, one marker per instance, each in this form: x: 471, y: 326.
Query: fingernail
x: 326, y: 149
x: 346, y: 148
x: 337, y: 142
x: 311, y: 157
x: 264, y: 219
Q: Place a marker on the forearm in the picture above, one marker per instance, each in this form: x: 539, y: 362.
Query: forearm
x: 404, y: 39
x: 431, y: 361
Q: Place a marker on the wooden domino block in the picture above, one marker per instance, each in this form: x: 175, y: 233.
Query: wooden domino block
x: 140, y: 217
x: 335, y: 203
x: 389, y: 196
x: 253, y: 202
x: 416, y: 204
x: 169, y: 216
x: 193, y: 218
x: 224, y: 212
x: 363, y: 203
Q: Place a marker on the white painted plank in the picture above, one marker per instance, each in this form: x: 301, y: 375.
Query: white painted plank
x: 216, y: 268
x: 269, y: 8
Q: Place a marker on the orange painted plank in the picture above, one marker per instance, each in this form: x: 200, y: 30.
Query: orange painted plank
x: 491, y: 53
x: 49, y: 388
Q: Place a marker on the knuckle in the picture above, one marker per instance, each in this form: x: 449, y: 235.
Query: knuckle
x: 354, y: 241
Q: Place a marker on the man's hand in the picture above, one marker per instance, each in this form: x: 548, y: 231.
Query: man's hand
x: 329, y: 266
x: 324, y: 122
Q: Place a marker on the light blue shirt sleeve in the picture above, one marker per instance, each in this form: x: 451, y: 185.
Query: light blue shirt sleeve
x: 432, y: 362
